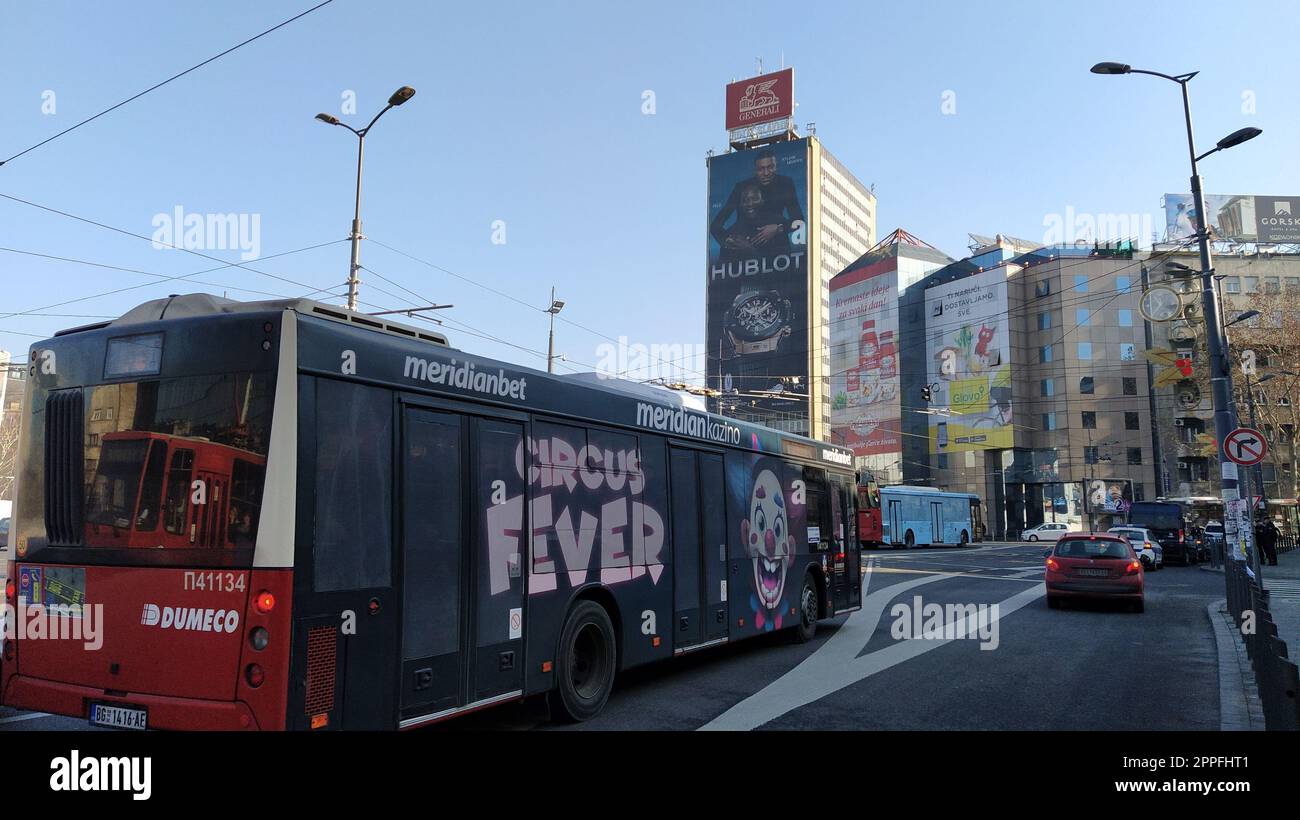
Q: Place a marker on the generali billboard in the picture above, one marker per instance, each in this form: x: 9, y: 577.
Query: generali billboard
x: 760, y: 99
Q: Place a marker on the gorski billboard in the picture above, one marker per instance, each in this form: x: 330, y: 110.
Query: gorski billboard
x: 969, y: 370
x: 1236, y: 218
x: 865, y: 407
x: 758, y: 275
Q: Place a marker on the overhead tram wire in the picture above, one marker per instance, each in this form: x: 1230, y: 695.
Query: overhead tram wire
x: 465, y: 327
x: 155, y: 87
x: 513, y: 298
x: 159, y: 276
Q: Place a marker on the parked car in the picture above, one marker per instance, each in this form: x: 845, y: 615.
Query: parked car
x: 1094, y: 565
x: 1044, y: 532
x: 1148, y: 549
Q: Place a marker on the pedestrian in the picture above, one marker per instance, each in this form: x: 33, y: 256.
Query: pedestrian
x: 1267, y: 536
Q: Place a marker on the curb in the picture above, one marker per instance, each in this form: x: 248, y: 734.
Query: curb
x: 1240, y: 709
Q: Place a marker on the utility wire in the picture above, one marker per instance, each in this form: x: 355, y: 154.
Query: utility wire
x: 164, y: 82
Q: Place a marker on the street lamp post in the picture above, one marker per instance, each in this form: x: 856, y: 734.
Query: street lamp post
x: 1220, y: 374
x: 556, y: 306
x: 399, y: 96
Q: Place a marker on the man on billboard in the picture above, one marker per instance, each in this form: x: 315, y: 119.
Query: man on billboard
x: 775, y: 218
x: 743, y: 240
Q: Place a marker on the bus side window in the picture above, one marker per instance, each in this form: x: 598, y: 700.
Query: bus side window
x: 820, y: 531
x: 178, y: 492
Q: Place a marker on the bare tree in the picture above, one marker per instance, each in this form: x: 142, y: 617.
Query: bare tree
x: 1271, y: 342
x: 9, y: 424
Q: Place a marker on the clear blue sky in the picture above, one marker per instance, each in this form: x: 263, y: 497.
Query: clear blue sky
x: 531, y: 113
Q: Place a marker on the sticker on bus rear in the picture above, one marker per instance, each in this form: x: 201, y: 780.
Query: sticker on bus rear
x: 66, y: 586
x: 30, y: 586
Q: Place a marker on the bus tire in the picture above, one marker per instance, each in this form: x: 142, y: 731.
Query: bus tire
x: 965, y: 538
x: 586, y: 663
x: 909, y: 540
x: 808, y: 610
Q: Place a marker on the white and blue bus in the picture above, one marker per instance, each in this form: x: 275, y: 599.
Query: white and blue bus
x: 923, y: 516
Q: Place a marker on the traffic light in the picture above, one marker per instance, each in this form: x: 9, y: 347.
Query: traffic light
x: 925, y: 393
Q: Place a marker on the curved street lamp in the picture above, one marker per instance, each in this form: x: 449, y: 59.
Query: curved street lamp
x: 1220, y: 373
x: 398, y: 97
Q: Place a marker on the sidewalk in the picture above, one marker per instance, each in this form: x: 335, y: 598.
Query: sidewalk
x: 1283, y: 585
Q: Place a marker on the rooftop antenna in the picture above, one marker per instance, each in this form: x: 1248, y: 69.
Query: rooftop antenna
x: 783, y: 59
x: 760, y: 64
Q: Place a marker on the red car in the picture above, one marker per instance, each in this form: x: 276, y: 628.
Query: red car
x: 1094, y: 565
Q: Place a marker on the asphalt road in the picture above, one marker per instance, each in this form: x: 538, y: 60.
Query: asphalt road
x: 1085, y: 667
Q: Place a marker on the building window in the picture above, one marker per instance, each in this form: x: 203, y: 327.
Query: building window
x: 1043, y: 288
x: 1135, y: 455
x: 1125, y: 318
x: 1123, y: 284
x: 1049, y: 421
x: 1272, y: 284
x: 1139, y: 492
x: 1252, y: 284
x: 1081, y: 317
x: 1132, y: 421
x: 1086, y: 385
x: 1232, y: 284
x: 1127, y: 352
x: 1293, y: 283
x: 1080, y: 283
x: 1046, y: 388
x: 1089, y: 455
x: 1130, y: 386
x: 943, y: 461
x: 1089, y: 420
x: 1085, y: 350
x: 1044, y: 321
x: 1044, y: 354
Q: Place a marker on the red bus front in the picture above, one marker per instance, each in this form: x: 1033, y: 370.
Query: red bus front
x: 133, y: 599
x: 869, y: 529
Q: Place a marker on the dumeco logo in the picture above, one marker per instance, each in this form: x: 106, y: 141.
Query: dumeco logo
x: 190, y: 619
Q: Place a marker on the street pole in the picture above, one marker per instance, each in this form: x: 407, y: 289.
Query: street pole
x: 398, y: 97
x: 354, y: 280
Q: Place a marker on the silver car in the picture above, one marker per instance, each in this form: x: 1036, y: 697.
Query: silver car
x: 1148, y: 549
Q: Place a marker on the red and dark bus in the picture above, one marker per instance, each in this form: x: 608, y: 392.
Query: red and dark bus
x: 290, y: 516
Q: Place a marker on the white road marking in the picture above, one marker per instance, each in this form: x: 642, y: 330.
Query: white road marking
x: 836, y: 665
x: 19, y: 718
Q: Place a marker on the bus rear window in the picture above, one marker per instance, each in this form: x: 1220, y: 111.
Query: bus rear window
x: 172, y: 464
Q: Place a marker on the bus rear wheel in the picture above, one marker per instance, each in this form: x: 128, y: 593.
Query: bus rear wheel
x: 808, y: 611
x: 909, y: 540
x: 586, y: 663
x: 965, y: 538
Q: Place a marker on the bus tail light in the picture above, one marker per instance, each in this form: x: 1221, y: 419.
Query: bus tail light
x: 255, y: 675
x: 265, y: 602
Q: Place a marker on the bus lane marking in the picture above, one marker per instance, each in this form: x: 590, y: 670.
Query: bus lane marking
x: 835, y: 666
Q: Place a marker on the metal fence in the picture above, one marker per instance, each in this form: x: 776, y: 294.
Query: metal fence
x: 1277, y: 678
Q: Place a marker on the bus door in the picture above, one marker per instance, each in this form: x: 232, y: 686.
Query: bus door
x: 936, y: 522
x: 895, y: 521
x: 845, y: 580
x: 462, y: 519
x: 699, y: 554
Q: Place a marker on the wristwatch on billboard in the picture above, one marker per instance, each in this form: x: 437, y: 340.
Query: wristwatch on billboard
x: 757, y: 321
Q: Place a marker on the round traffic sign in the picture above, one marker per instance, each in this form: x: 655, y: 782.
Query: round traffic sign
x: 1245, y: 446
